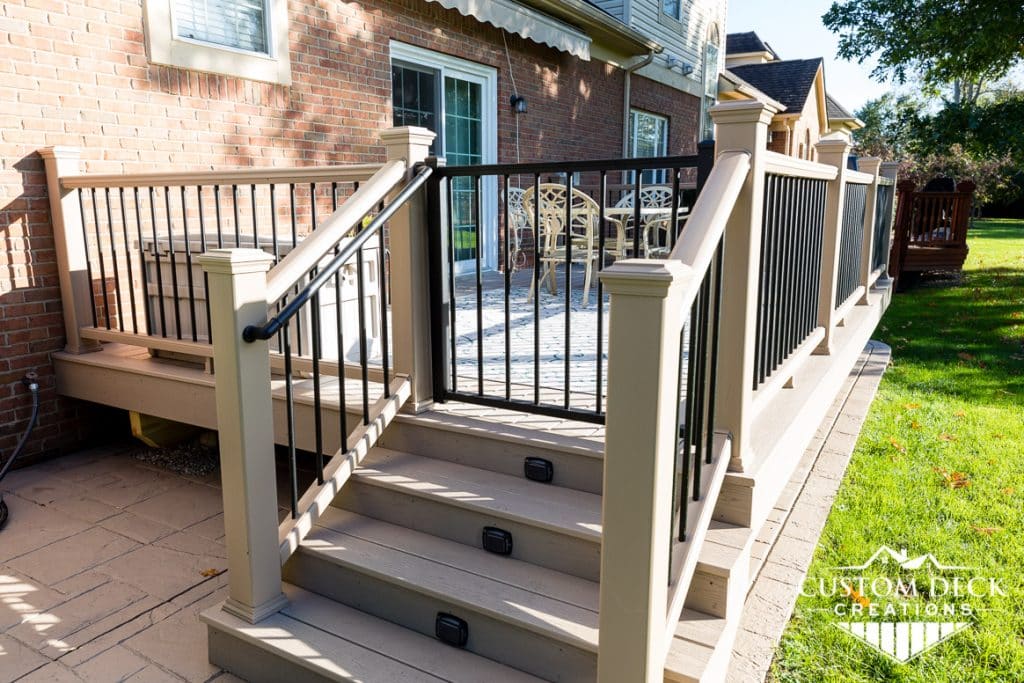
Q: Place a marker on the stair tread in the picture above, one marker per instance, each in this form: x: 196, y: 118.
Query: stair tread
x: 342, y: 643
x: 541, y: 580
x: 723, y: 548
x: 498, y: 594
x: 697, y: 638
x: 564, y: 510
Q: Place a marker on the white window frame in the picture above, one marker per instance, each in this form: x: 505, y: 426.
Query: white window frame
x: 707, y: 100
x: 487, y: 78
x: 663, y: 15
x: 164, y: 46
x: 657, y: 177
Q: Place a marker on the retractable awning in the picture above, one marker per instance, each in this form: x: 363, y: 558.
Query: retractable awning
x: 523, y: 21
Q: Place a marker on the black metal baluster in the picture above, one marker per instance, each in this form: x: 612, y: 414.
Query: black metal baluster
x: 342, y: 407
x: 202, y: 250
x: 759, y: 335
x: 156, y: 258
x: 673, y: 226
x: 568, y: 285
x: 220, y: 222
x: 318, y: 427
x: 449, y: 211
x: 637, y: 206
x: 188, y: 266
x: 478, y: 224
x: 234, y: 204
x: 174, y: 262
x: 113, y: 257
x: 99, y: 254
x: 128, y: 263
x: 88, y: 260
x: 255, y: 227
x: 363, y: 354
x: 508, y: 283
x: 716, y: 317
x: 540, y: 239
x: 385, y: 340
x: 295, y: 242
x: 289, y: 400
x: 142, y: 260
x: 700, y: 382
x: 681, y: 479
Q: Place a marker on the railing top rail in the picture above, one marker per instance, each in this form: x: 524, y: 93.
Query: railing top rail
x: 244, y: 176
x: 706, y: 223
x: 636, y: 164
x: 346, y: 253
x: 781, y: 164
x: 858, y: 177
x: 303, y: 258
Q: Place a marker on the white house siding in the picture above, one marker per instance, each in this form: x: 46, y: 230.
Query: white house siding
x: 616, y: 8
x: 683, y: 39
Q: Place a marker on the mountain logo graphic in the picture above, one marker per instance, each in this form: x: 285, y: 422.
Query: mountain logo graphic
x: 904, y: 640
x: 886, y: 555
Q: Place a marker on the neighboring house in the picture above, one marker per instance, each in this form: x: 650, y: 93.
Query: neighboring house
x: 794, y: 86
x: 194, y: 85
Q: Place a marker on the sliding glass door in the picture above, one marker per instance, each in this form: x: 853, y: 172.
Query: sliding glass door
x: 457, y: 100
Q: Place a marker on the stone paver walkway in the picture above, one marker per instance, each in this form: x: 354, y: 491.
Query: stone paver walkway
x: 105, y: 564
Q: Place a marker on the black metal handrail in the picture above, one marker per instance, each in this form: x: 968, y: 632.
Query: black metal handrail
x: 591, y: 165
x: 324, y: 273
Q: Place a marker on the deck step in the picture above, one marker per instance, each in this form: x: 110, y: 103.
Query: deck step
x: 519, y: 614
x: 720, y: 581
x: 500, y: 445
x: 551, y: 526
x: 699, y: 652
x: 317, y: 639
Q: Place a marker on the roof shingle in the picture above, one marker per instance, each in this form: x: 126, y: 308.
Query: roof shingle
x: 739, y: 43
x: 835, y: 110
x: 787, y: 81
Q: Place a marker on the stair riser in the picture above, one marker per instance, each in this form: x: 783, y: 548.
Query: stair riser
x: 252, y: 663
x: 718, y: 595
x: 575, y: 471
x: 488, y: 636
x: 533, y: 544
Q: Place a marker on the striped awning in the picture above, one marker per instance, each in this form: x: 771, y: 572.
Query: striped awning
x: 523, y: 21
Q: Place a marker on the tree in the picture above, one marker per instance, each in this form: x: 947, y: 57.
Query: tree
x: 964, y: 44
x: 889, y: 125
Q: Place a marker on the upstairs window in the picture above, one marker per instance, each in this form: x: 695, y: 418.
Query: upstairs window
x: 711, y: 53
x: 672, y: 9
x: 240, y: 38
x: 238, y: 24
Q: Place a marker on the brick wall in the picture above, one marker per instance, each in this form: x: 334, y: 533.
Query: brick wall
x: 75, y: 73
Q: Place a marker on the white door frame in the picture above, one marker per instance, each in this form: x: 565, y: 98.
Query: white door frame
x: 487, y: 78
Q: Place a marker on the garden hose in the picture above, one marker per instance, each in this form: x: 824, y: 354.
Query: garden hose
x: 31, y: 380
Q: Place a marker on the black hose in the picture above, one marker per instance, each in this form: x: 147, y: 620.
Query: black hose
x: 30, y: 380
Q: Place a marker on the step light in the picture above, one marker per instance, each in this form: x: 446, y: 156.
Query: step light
x: 497, y: 541
x: 451, y: 630
x: 539, y: 469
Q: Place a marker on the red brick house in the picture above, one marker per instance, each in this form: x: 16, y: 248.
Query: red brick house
x: 160, y: 84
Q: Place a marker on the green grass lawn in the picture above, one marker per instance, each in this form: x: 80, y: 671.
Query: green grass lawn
x: 939, y: 468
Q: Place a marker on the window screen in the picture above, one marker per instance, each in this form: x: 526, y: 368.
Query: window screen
x: 240, y: 24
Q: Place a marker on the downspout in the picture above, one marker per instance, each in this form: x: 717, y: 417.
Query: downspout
x: 626, y: 96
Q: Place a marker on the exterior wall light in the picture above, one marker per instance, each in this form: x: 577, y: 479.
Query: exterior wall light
x: 518, y: 103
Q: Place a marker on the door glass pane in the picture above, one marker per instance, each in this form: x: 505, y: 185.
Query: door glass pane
x: 414, y: 97
x: 463, y: 146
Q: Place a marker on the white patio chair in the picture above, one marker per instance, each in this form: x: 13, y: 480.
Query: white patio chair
x: 551, y: 234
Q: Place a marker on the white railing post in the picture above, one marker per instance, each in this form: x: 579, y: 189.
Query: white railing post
x: 870, y: 166
x: 640, y: 447
x: 833, y: 150
x: 410, y: 275
x: 740, y: 126
x: 245, y: 426
x: 69, y: 242
x: 890, y: 170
